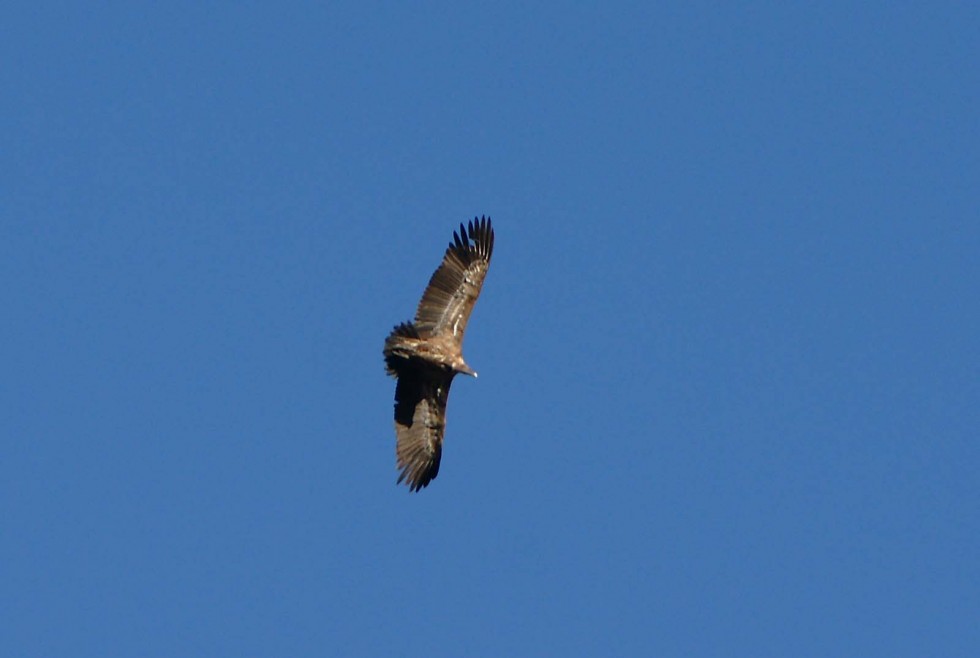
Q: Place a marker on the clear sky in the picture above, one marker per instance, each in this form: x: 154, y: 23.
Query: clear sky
x: 728, y: 344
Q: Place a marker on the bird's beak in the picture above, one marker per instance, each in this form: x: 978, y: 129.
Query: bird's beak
x: 466, y: 370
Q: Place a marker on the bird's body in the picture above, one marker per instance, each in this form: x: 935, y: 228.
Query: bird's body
x: 425, y: 355
x: 439, y: 350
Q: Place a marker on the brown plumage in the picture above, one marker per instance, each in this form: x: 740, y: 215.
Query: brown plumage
x: 426, y: 354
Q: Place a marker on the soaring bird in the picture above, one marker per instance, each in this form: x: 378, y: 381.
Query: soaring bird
x: 426, y: 354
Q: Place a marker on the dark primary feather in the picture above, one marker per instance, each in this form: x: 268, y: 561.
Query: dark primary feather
x: 452, y: 291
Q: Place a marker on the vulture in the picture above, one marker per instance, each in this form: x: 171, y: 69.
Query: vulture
x: 426, y: 354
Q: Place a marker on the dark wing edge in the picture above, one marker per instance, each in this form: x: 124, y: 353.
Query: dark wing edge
x: 454, y: 287
x: 420, y: 422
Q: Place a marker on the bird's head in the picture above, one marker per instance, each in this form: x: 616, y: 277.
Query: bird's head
x: 461, y: 366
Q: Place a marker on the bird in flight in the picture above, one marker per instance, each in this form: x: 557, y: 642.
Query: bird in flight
x: 426, y: 354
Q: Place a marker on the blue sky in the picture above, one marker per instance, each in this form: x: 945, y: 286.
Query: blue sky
x: 728, y: 344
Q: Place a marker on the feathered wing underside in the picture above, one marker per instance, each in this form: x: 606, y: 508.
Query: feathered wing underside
x: 420, y: 421
x: 454, y: 287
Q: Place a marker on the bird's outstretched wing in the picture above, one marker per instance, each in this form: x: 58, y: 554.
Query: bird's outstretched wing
x: 420, y: 421
x: 451, y: 294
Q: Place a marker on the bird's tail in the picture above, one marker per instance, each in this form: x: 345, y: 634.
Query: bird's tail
x: 397, y: 344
